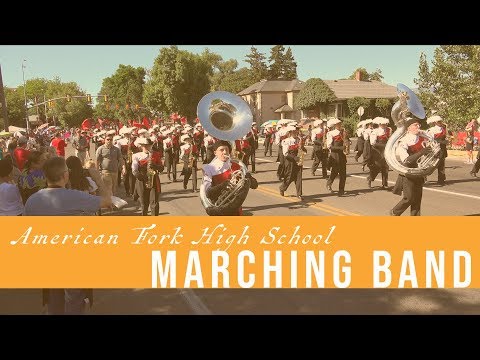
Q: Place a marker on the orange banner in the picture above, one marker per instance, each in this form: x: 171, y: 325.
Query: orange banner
x: 238, y: 252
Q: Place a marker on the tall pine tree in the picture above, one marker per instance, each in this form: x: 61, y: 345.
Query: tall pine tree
x: 258, y: 67
x: 277, y: 62
x: 290, y: 66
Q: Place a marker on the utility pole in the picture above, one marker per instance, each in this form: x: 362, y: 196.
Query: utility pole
x: 25, y: 94
x: 3, y: 102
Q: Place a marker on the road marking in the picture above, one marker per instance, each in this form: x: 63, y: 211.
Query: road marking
x: 323, y: 207
x: 393, y: 182
x: 195, y: 303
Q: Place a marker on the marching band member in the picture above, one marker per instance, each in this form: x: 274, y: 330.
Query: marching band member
x: 142, y: 134
x: 360, y: 139
x: 168, y: 151
x: 198, y: 136
x: 318, y: 139
x: 243, y: 148
x: 439, y: 131
x: 280, y: 135
x: 337, y: 158
x: 366, y: 142
x: 208, y: 142
x: 146, y: 166
x: 410, y: 149
x: 269, y: 136
x: 476, y: 166
x: 253, y: 144
x: 216, y: 175
x: 378, y: 140
x: 189, y: 154
x: 127, y: 148
x: 292, y: 146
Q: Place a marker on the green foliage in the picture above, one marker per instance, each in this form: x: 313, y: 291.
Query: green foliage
x: 67, y: 114
x: 179, y: 79
x: 277, y: 60
x: 124, y: 87
x: 350, y: 124
x: 354, y: 103
x: 384, y: 106
x: 258, y: 67
x: 450, y: 85
x: 236, y: 81
x: 224, y: 70
x: 282, y: 64
x: 290, y: 66
x: 314, y: 93
x: 366, y: 76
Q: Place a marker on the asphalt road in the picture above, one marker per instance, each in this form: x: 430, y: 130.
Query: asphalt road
x: 460, y: 196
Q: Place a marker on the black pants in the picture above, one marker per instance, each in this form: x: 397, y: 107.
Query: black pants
x: 252, y: 159
x: 476, y: 167
x: 319, y: 156
x: 441, y: 171
x: 281, y: 166
x: 412, y: 189
x: 170, y: 164
x: 148, y: 198
x: 292, y: 173
x: 339, y: 167
x: 187, y: 172
x: 267, y: 146
x: 130, y: 180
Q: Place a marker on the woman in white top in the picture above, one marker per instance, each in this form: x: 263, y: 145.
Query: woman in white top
x: 10, y: 200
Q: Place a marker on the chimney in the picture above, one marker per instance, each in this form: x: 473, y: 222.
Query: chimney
x: 358, y: 75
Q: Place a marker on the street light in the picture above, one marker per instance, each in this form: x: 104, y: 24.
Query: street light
x: 25, y: 93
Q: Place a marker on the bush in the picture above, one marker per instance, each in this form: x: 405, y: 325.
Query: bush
x: 350, y: 123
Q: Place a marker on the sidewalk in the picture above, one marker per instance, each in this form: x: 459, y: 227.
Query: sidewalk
x: 460, y: 155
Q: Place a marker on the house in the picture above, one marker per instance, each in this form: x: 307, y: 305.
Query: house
x: 274, y: 99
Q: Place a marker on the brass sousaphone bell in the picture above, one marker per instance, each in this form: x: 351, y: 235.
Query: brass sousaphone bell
x: 228, y: 117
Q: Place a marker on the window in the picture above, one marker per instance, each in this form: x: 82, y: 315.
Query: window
x: 331, y: 110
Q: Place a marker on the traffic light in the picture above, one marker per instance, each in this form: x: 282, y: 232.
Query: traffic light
x: 105, y: 98
x: 89, y: 98
x: 137, y: 107
x: 69, y: 98
x: 127, y: 106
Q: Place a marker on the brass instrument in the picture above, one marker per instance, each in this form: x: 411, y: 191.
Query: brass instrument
x: 228, y: 117
x: 150, y: 173
x: 409, y: 104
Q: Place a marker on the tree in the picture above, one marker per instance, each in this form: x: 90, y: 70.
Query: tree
x: 258, y: 67
x: 376, y: 76
x: 354, y: 103
x: 236, y: 81
x: 224, y: 69
x: 277, y: 62
x: 290, y: 66
x: 313, y: 95
x: 124, y: 87
x: 452, y: 83
x: 67, y: 114
x: 366, y: 76
x: 384, y: 106
x: 179, y: 80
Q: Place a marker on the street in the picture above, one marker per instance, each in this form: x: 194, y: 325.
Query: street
x: 459, y: 197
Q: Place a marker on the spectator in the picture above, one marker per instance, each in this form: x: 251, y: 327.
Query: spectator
x: 32, y: 178
x: 57, y: 200
x: 10, y: 199
x: 59, y: 144
x: 20, y: 154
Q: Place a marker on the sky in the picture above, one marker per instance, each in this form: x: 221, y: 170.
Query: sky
x: 88, y: 65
